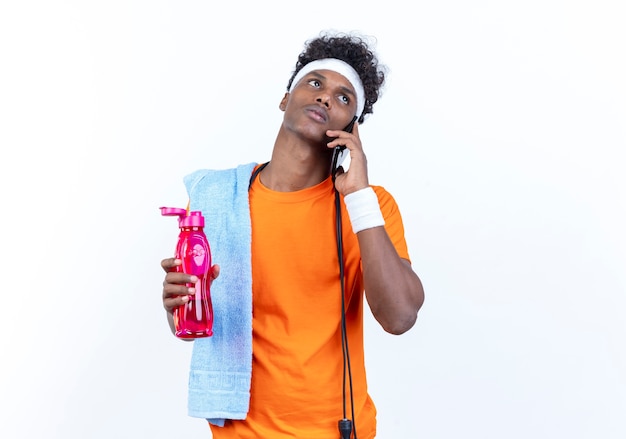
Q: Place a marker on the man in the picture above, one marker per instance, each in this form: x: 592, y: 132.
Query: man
x: 308, y: 281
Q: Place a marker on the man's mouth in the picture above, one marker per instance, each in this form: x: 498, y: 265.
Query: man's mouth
x: 318, y: 114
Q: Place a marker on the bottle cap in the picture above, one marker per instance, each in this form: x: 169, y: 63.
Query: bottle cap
x: 191, y: 219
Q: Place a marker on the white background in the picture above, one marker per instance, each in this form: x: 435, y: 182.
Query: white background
x: 501, y: 133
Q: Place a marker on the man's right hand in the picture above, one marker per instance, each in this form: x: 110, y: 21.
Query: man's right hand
x: 175, y: 289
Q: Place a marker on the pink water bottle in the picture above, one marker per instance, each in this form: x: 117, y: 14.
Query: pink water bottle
x: 195, y: 318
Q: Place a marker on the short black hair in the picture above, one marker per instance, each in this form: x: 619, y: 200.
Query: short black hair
x: 352, y: 49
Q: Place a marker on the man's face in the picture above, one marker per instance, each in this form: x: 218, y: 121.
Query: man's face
x: 321, y: 100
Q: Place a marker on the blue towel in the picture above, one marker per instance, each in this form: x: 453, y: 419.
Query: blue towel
x: 221, y: 365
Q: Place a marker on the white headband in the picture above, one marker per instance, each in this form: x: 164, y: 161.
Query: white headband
x: 341, y: 67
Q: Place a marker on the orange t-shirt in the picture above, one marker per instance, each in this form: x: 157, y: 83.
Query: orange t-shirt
x: 297, y: 366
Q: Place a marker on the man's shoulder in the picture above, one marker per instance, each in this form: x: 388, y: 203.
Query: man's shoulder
x: 381, y: 192
x: 218, y: 177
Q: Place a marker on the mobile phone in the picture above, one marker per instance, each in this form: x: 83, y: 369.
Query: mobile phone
x: 341, y: 152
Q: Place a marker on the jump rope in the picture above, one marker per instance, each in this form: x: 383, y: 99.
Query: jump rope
x: 346, y: 425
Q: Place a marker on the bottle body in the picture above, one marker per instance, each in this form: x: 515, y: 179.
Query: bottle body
x: 195, y: 318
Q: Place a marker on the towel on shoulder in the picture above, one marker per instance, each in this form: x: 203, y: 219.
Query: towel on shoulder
x: 221, y: 365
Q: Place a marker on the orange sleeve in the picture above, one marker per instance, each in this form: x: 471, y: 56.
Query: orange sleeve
x: 393, y: 221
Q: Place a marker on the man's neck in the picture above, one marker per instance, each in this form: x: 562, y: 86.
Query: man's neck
x: 295, y: 165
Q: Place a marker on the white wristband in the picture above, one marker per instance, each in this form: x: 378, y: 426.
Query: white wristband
x: 363, y: 209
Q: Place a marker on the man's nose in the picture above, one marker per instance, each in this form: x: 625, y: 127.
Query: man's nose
x: 324, y: 99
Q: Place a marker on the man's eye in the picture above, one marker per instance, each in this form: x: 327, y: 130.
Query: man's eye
x: 345, y: 99
x: 315, y: 83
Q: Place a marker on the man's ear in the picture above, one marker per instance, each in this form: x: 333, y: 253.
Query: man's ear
x: 283, y: 102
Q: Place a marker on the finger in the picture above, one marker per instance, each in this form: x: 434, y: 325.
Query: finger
x: 341, y: 141
x: 170, y: 264
x: 336, y: 134
x: 176, y: 293
x: 214, y: 272
x: 176, y: 278
x: 171, y: 303
x: 350, y: 140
